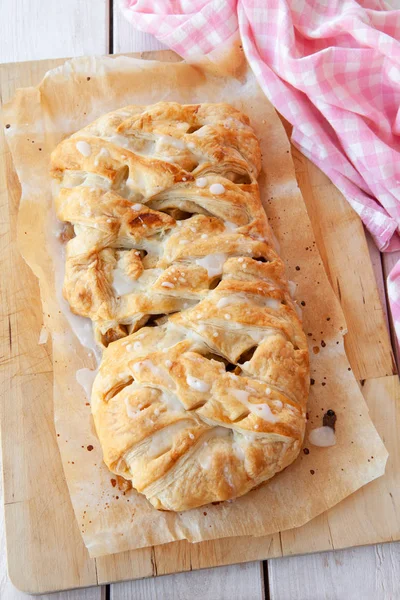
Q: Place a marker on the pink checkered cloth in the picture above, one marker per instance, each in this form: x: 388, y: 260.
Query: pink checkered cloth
x: 332, y: 68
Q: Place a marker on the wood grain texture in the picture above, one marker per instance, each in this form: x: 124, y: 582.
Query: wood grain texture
x: 238, y: 582
x: 29, y: 30
x: 341, y: 241
x: 38, y: 29
x: 377, y: 266
x: 9, y: 592
x: 339, y: 575
x: 182, y: 556
x: 353, y: 519
x: 31, y: 502
x: 370, y: 573
x: 74, y: 563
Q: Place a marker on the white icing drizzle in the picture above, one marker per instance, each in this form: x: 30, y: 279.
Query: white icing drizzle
x: 240, y: 395
x: 83, y: 329
x: 232, y: 122
x: 261, y: 410
x: 229, y: 226
x: 213, y: 263
x: 167, y: 284
x: 298, y: 310
x: 205, y: 457
x: 201, y: 182
x: 149, y: 365
x: 103, y: 153
x: 171, y: 401
x: 250, y: 389
x: 292, y: 288
x: 200, y: 132
x: 228, y: 476
x: 232, y: 299
x: 84, y: 148
x: 272, y: 303
x: 197, y: 384
x: 278, y: 404
x: 171, y: 141
x: 205, y: 460
x: 122, y: 284
x: 217, y: 189
x: 43, y: 336
x: 239, y: 298
x: 131, y: 412
x: 85, y: 378
x: 322, y: 436
x: 238, y: 451
x: 163, y: 377
x: 161, y: 441
x: 118, y: 140
x: 256, y: 335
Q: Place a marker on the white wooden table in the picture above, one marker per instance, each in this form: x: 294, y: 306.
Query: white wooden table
x: 38, y: 29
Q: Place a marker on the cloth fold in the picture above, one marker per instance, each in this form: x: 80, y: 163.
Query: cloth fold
x: 332, y: 69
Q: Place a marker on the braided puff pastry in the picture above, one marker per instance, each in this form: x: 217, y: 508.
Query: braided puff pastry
x: 202, y: 389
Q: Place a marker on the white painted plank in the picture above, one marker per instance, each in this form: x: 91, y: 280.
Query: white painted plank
x: 128, y: 39
x: 236, y: 582
x: 35, y: 29
x: 369, y: 573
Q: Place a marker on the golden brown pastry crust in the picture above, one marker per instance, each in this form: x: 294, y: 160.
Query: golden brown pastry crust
x: 209, y: 402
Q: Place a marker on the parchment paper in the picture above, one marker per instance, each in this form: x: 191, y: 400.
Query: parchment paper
x: 110, y: 519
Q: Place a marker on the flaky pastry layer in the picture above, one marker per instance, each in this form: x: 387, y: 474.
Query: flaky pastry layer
x: 202, y: 389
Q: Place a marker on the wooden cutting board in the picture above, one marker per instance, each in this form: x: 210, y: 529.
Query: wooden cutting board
x: 44, y: 546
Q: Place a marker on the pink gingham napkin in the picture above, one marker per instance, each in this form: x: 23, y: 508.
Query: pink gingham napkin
x: 332, y: 68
